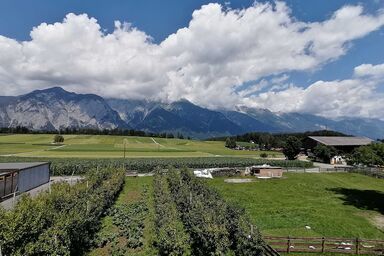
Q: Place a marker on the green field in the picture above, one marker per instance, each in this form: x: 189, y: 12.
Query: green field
x: 333, y: 205
x: 107, y: 146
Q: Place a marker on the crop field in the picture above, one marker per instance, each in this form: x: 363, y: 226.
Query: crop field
x: 133, y: 206
x: 332, y: 205
x: 173, y: 213
x: 107, y: 146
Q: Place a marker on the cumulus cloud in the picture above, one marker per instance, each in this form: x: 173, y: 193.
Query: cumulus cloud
x: 207, y: 62
x: 376, y: 71
x: 351, y: 97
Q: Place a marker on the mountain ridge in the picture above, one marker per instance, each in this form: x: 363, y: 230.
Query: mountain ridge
x: 55, y: 108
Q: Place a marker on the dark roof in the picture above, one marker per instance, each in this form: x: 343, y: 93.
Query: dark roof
x: 342, y: 141
x: 18, y: 166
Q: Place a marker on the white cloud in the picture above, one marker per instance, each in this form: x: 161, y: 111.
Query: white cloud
x: 206, y: 62
x: 352, y: 97
x: 375, y: 71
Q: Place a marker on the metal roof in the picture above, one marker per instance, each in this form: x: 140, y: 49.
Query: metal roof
x: 342, y: 141
x: 19, y: 166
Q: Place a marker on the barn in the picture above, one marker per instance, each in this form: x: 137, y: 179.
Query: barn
x: 21, y: 177
x: 342, y: 144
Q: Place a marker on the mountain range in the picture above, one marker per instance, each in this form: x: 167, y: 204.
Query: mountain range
x: 55, y: 108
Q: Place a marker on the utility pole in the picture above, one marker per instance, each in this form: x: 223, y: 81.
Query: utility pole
x: 125, y: 145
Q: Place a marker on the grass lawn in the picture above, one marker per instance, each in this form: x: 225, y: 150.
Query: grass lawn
x: 96, y: 146
x: 132, y: 193
x: 333, y: 205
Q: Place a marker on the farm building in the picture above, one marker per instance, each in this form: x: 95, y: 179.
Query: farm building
x: 21, y: 177
x: 265, y: 171
x: 342, y: 144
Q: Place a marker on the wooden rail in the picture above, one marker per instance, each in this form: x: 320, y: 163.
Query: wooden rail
x: 323, y: 244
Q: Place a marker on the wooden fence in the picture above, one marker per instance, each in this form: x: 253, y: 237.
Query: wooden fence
x: 323, y: 244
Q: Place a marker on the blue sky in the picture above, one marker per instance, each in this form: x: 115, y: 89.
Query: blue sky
x: 159, y: 19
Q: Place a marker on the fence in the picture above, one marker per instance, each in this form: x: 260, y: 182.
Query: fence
x: 369, y: 171
x: 322, y: 245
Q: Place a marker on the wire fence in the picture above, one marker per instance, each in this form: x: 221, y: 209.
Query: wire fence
x: 322, y: 245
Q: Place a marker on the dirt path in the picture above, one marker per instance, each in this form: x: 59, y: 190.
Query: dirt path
x: 157, y: 143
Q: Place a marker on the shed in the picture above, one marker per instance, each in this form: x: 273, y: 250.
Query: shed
x: 21, y: 177
x: 266, y: 171
x: 344, y: 144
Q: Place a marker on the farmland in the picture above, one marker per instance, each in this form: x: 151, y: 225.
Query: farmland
x: 332, y: 205
x: 152, y: 216
x: 106, y: 146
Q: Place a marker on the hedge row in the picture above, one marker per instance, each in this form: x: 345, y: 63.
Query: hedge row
x: 62, y: 222
x: 67, y: 166
x: 172, y: 238
x: 215, y: 228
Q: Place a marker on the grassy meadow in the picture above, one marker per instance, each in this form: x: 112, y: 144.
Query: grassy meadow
x: 107, y: 146
x: 333, y: 205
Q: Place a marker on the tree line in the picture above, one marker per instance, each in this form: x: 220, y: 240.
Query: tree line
x: 92, y: 131
x: 268, y: 141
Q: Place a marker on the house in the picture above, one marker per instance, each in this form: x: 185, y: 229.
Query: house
x: 21, y: 177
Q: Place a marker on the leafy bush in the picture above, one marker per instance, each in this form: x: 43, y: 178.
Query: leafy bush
x: 58, y: 138
x: 370, y: 155
x: 230, y: 143
x: 215, y: 228
x: 171, y: 236
x: 62, y: 222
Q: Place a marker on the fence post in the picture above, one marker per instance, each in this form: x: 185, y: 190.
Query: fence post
x: 357, y: 246
x: 323, y: 244
x: 289, y: 244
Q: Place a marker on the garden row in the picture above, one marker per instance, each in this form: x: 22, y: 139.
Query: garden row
x: 128, y: 220
x: 191, y: 218
x: 62, y: 221
x: 64, y: 166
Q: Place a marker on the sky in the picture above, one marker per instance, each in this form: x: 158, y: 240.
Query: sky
x: 319, y: 57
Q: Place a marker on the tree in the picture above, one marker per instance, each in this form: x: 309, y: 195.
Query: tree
x: 324, y: 153
x: 58, y: 138
x: 370, y: 155
x: 230, y: 143
x: 292, y: 147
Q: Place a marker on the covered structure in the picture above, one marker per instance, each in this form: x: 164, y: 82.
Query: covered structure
x: 21, y: 177
x: 265, y: 171
x: 343, y: 144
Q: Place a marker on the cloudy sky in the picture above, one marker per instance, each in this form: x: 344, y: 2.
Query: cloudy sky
x: 320, y: 57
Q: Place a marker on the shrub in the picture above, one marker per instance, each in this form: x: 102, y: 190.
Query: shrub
x: 215, y: 228
x: 58, y: 138
x: 62, y: 222
x: 171, y: 236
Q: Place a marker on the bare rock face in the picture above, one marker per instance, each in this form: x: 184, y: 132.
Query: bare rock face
x: 55, y: 108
